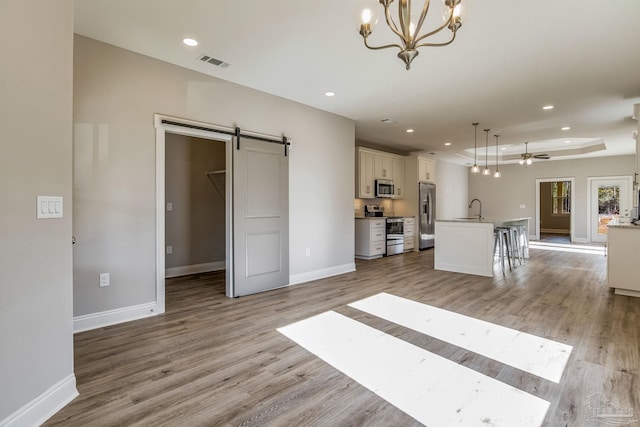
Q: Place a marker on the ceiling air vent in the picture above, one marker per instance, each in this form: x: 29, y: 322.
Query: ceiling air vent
x: 213, y: 61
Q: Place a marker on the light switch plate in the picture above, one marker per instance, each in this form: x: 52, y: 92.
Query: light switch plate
x: 49, y: 207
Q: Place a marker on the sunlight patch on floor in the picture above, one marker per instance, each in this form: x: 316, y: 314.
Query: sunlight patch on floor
x: 538, y: 356
x: 566, y: 247
x: 433, y: 390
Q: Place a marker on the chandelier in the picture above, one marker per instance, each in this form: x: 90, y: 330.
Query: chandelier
x: 410, y: 25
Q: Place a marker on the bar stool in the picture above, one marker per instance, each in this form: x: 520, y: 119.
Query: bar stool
x: 516, y: 247
x: 501, y: 242
x: 523, y: 240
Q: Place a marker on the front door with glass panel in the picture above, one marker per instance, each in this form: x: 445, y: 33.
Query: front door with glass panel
x: 610, y: 204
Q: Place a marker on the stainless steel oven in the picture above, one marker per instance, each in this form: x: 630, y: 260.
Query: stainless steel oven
x: 395, y: 235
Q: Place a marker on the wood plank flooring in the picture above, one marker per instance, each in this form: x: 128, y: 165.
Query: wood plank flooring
x: 214, y: 361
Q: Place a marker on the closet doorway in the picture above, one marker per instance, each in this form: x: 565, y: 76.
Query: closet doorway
x: 256, y: 205
x: 195, y: 205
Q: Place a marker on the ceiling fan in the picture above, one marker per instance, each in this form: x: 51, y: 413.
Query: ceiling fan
x: 527, y: 157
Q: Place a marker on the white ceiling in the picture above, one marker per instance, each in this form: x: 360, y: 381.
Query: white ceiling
x: 510, y: 59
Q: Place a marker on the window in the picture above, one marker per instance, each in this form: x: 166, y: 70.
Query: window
x: 561, y: 198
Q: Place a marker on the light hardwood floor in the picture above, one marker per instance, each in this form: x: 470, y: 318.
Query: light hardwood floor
x: 214, y: 361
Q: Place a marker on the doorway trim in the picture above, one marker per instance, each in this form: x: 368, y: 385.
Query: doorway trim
x: 195, y: 129
x: 573, y: 201
x: 590, y: 180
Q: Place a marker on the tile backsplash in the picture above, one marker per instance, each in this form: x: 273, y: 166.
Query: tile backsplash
x: 358, y: 206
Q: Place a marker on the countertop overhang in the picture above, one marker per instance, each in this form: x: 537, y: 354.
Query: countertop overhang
x: 494, y: 221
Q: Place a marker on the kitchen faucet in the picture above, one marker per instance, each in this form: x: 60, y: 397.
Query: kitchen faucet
x: 480, y: 211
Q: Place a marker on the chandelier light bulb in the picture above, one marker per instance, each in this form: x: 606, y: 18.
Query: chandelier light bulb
x: 529, y: 161
x: 475, y: 169
x: 486, y: 171
x: 521, y: 161
x: 366, y: 16
x: 497, y: 174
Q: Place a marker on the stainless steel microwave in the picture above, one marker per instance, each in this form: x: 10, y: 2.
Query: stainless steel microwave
x: 384, y: 188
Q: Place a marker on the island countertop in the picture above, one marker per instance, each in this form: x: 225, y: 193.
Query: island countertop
x: 625, y: 226
x: 494, y: 221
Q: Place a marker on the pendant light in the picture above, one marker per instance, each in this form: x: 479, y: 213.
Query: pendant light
x: 486, y: 170
x: 497, y: 174
x: 475, y: 168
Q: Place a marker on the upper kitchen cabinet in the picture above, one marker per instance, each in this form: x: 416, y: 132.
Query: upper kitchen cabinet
x: 365, y: 180
x: 426, y: 170
x: 398, y: 178
x: 372, y: 165
x: 383, y: 167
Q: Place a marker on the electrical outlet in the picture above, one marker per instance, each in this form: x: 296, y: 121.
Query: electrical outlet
x: 523, y: 206
x: 308, y: 252
x: 169, y: 206
x: 104, y: 279
x: 169, y: 250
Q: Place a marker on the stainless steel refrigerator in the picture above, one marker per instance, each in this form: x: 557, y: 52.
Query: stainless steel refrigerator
x: 427, y: 202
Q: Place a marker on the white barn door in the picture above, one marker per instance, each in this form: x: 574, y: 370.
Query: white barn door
x: 260, y: 217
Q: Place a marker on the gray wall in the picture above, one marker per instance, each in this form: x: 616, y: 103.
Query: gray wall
x: 452, y: 190
x: 501, y: 198
x: 118, y: 91
x: 35, y: 255
x: 549, y: 220
x: 195, y: 228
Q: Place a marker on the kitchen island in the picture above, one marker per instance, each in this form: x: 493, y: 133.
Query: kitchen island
x: 623, y: 269
x: 466, y: 245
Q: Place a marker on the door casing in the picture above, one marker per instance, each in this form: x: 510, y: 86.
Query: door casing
x: 593, y: 180
x: 573, y: 198
x: 161, y: 130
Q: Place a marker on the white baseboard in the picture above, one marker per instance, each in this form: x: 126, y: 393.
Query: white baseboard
x: 554, y: 231
x: 194, y: 269
x: 321, y: 274
x: 111, y: 317
x: 45, y: 405
x: 580, y: 240
x: 627, y: 292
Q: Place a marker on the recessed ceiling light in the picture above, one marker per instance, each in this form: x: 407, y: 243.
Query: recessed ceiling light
x: 566, y: 128
x: 329, y: 94
x: 409, y: 130
x: 548, y: 107
x: 447, y: 144
x: 567, y: 142
x: 190, y: 42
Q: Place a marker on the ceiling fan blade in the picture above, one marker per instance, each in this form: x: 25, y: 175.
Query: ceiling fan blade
x: 542, y: 156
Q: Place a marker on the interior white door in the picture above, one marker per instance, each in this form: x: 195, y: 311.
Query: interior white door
x: 260, y: 217
x: 610, y: 204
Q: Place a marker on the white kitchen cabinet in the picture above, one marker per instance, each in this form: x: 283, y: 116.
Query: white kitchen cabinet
x: 398, y: 178
x: 370, y: 238
x: 383, y: 168
x: 426, y: 170
x: 409, y: 234
x: 372, y: 165
x: 365, y: 180
x: 623, y: 270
